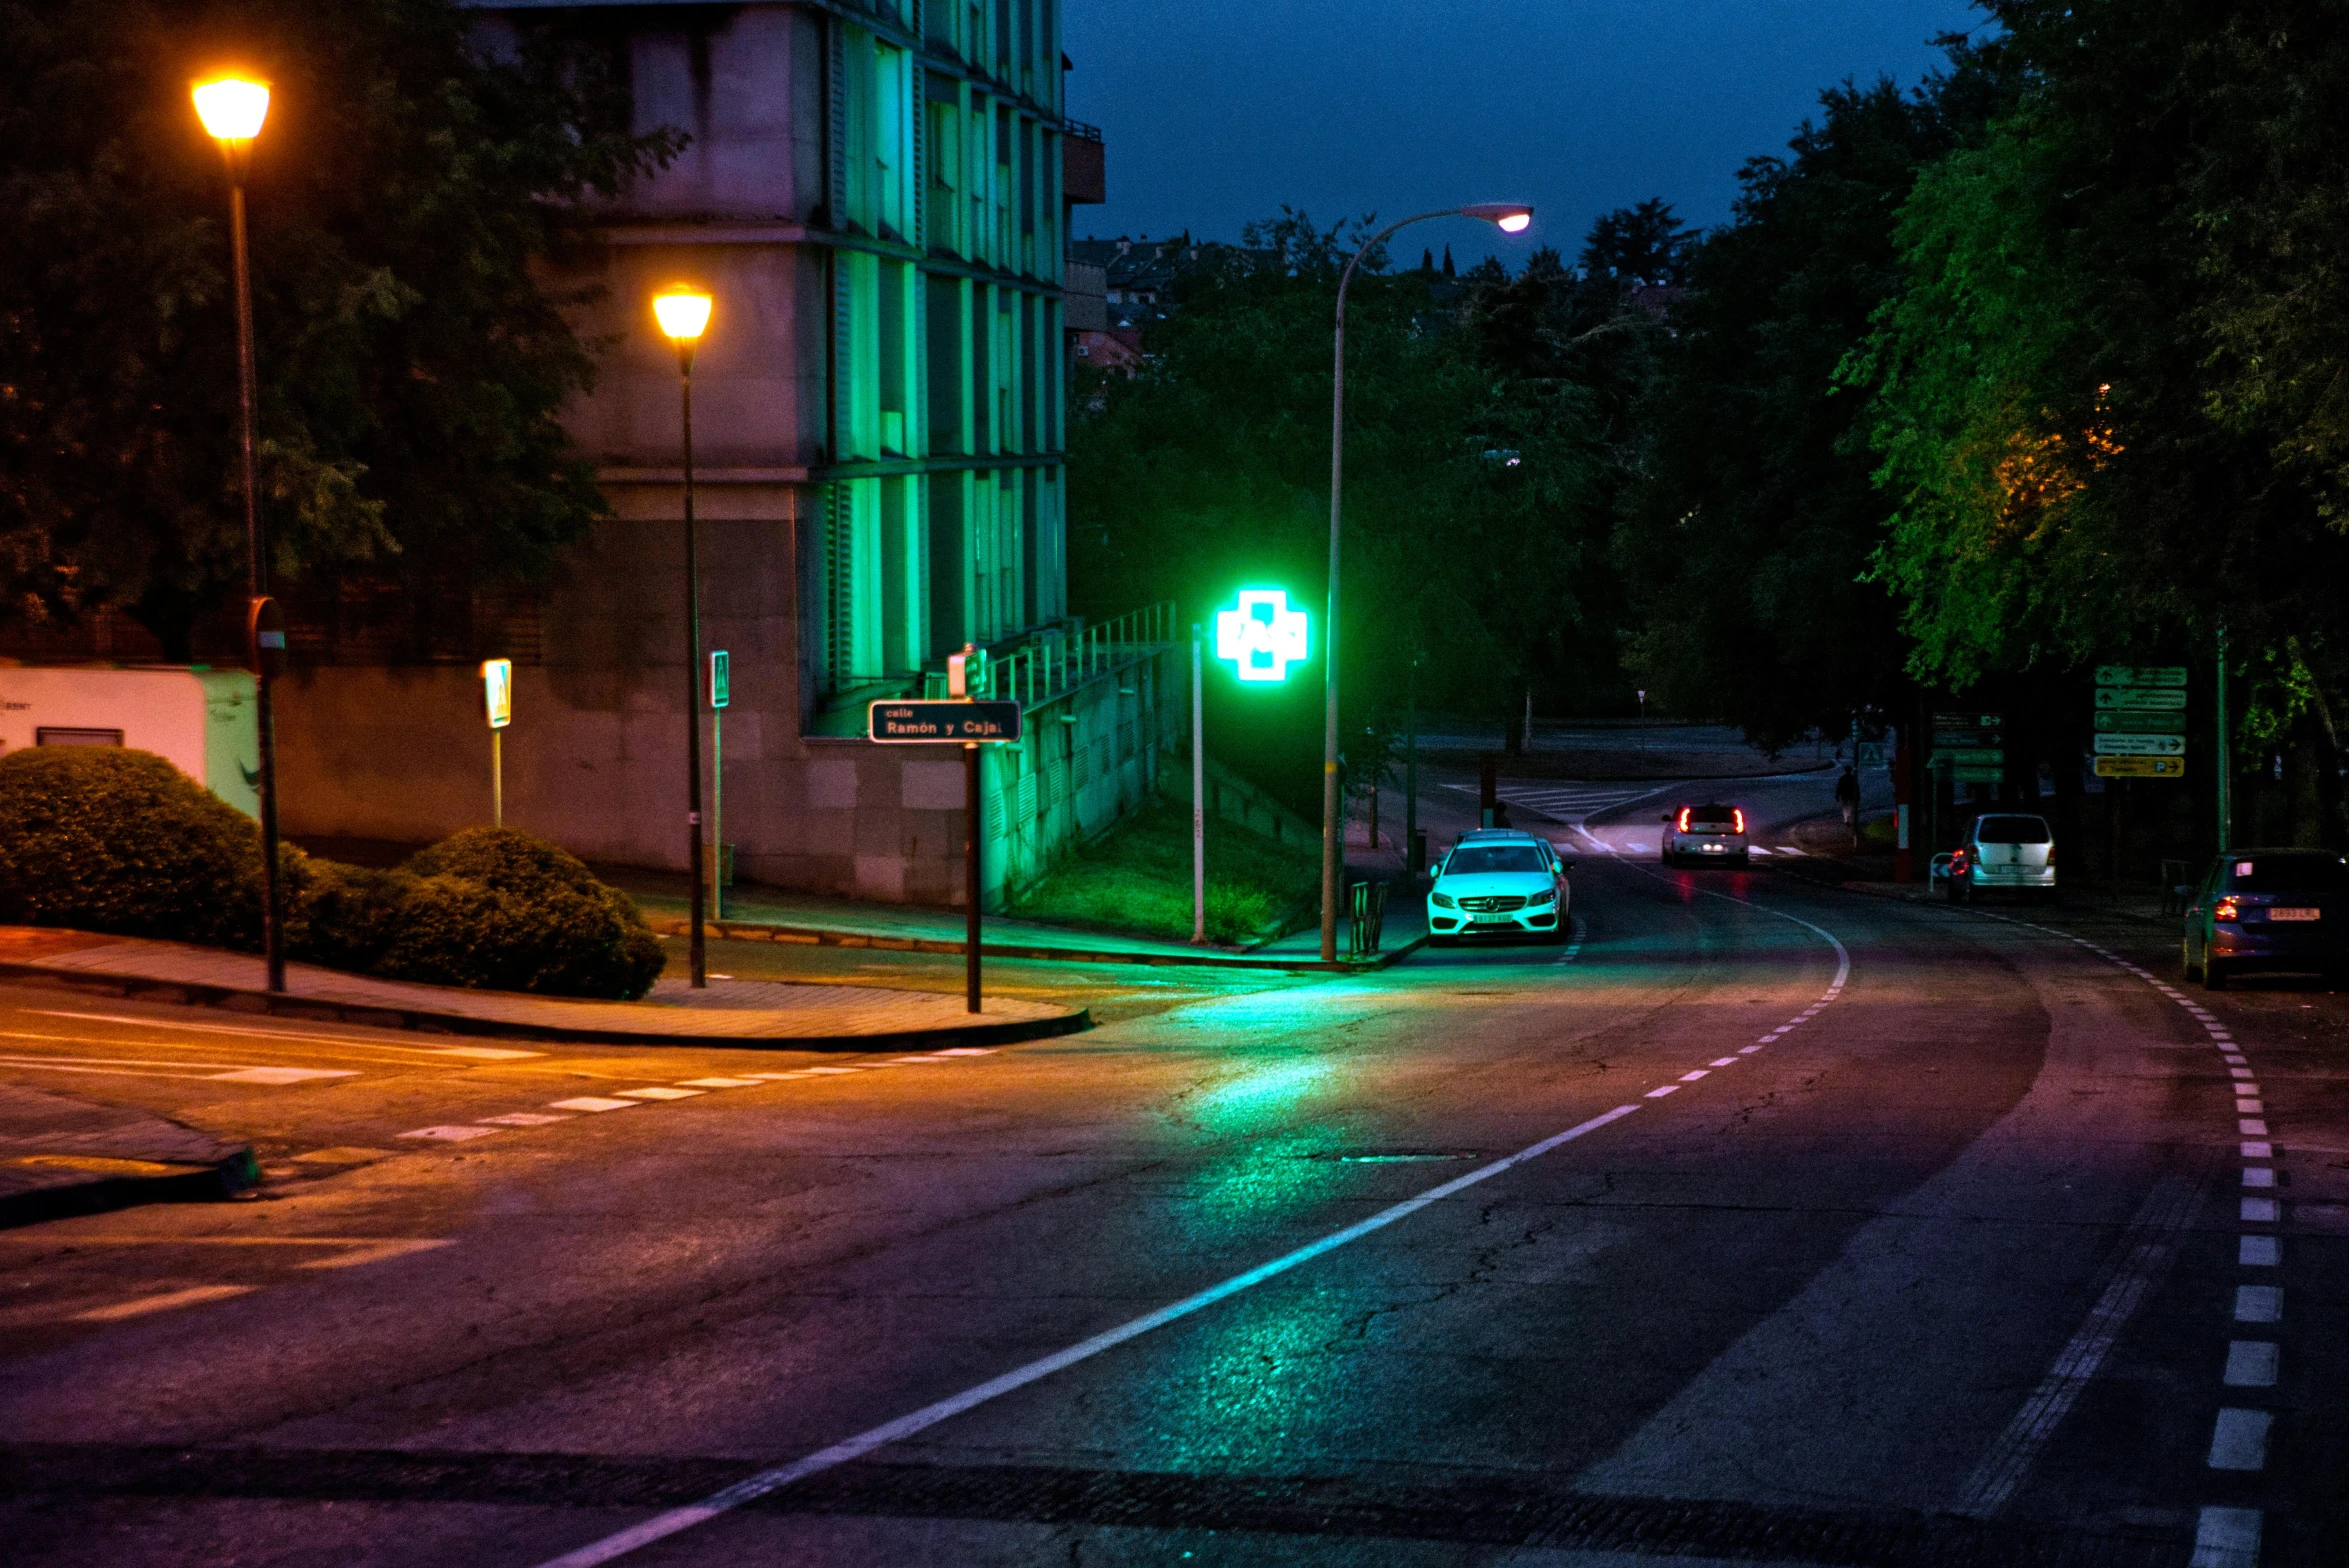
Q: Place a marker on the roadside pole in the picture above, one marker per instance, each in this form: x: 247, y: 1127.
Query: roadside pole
x: 1198, y: 796
x: 974, y: 802
x: 721, y: 693
x: 972, y: 722
x: 1411, y: 862
x: 2226, y: 756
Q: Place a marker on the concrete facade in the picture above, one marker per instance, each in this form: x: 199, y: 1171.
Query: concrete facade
x: 872, y: 193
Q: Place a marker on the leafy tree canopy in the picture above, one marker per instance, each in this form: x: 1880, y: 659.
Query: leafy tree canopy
x: 410, y: 368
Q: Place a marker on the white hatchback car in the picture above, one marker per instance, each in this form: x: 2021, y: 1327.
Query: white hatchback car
x: 2004, y: 852
x: 1499, y: 884
x: 1700, y: 835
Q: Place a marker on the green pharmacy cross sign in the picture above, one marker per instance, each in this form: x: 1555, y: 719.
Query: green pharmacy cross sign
x: 1262, y: 637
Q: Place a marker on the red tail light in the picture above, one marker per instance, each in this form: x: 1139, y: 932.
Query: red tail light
x: 2051, y: 854
x: 1957, y: 860
x: 1682, y: 825
x: 1737, y: 819
x: 2226, y: 909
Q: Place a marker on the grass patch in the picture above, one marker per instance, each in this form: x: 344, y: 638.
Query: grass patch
x: 1138, y: 880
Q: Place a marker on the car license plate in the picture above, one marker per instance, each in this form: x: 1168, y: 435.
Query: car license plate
x: 1490, y: 920
x: 2295, y: 914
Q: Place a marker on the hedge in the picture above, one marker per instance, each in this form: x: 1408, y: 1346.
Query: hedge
x: 108, y: 839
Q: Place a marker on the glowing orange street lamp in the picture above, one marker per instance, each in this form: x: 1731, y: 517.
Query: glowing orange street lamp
x: 232, y: 109
x: 684, y: 314
x: 1510, y: 217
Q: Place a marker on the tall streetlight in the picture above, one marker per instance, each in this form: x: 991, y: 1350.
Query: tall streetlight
x: 232, y: 109
x: 683, y: 314
x: 1511, y: 218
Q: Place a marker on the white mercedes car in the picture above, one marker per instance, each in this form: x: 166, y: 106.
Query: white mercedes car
x: 1499, y: 883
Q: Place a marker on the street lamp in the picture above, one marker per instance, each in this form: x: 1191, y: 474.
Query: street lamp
x: 232, y: 109
x: 683, y: 313
x: 1511, y: 218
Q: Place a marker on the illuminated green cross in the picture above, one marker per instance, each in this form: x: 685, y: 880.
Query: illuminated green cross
x: 1263, y: 637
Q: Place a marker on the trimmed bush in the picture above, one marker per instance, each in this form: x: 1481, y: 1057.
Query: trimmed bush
x: 495, y: 908
x: 107, y: 839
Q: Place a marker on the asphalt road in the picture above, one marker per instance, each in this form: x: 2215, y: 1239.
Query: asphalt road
x: 1766, y: 1223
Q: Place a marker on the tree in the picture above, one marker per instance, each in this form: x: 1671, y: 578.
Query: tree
x: 1470, y: 525
x: 1749, y: 531
x: 411, y: 368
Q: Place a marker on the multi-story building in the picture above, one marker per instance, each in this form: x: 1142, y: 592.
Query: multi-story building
x: 875, y: 192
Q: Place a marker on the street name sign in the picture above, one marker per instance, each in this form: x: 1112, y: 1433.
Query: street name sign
x: 2140, y: 721
x: 1977, y: 775
x: 929, y: 723
x: 2141, y: 697
x: 2172, y: 675
x: 2141, y: 767
x: 2141, y: 745
x: 1972, y: 756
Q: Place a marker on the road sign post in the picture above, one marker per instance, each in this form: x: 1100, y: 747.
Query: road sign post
x: 721, y: 693
x: 972, y: 723
x: 497, y: 696
x: 1198, y: 796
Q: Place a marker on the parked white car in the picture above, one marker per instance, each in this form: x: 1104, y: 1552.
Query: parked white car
x: 1497, y: 883
x: 2004, y: 852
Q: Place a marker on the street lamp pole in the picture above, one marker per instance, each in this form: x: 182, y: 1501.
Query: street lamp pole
x: 1512, y: 218
x: 232, y: 110
x: 684, y: 314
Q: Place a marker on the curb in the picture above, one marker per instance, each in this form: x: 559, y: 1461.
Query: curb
x: 425, y: 1021
x: 817, y: 936
x: 110, y: 1183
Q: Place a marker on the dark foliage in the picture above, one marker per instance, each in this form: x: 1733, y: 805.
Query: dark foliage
x: 411, y: 368
x: 119, y: 841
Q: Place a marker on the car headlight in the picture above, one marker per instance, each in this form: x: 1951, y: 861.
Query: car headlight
x: 1546, y: 896
x: 1442, y: 900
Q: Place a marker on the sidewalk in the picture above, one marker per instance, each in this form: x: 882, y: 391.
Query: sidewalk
x: 773, y: 915
x: 803, y: 1017
x: 61, y: 1156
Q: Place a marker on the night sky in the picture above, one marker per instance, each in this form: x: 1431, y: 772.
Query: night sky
x: 1218, y: 111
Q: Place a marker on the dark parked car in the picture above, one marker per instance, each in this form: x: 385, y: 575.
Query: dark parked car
x: 2267, y: 909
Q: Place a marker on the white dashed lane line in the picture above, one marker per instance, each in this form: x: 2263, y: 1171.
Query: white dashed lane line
x: 675, y: 1520
x: 2227, y: 1536
x: 686, y: 1089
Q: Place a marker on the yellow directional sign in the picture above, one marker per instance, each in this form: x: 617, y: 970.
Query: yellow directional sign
x: 2141, y: 767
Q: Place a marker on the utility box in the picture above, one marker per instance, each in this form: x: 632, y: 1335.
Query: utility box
x: 203, y: 721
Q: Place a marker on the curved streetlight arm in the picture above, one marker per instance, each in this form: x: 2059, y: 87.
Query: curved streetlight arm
x: 1332, y: 824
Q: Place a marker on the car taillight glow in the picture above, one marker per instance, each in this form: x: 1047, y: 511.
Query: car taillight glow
x: 1682, y: 825
x: 2226, y: 909
x: 2051, y: 854
x: 1737, y: 819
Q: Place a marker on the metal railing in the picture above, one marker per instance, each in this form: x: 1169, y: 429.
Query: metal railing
x: 1056, y: 660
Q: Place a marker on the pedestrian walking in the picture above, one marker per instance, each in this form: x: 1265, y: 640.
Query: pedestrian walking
x: 1847, y: 795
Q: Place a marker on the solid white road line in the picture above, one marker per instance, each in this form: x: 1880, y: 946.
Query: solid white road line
x: 663, y: 1525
